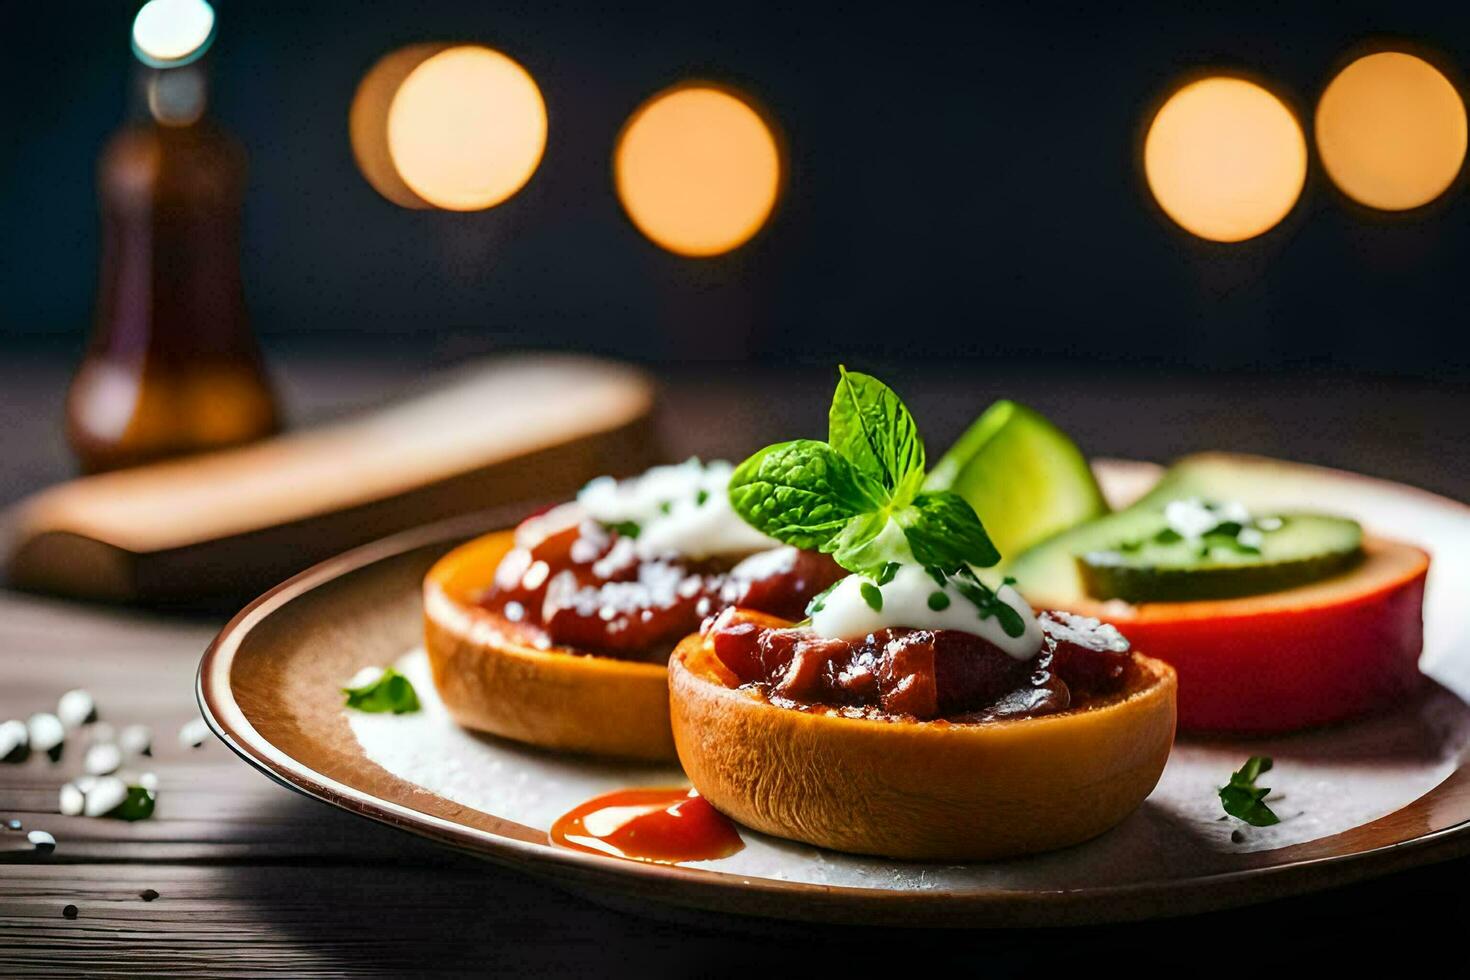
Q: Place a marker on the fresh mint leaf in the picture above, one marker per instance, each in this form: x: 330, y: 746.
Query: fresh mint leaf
x: 840, y: 496
x: 1243, y: 799
x: 802, y: 492
x: 944, y: 532
x: 861, y: 546
x: 872, y: 429
x: 390, y: 692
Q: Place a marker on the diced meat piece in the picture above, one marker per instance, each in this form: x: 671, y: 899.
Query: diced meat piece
x: 546, y: 544
x: 1091, y: 657
x: 736, y: 642
x: 585, y: 587
x: 906, y: 677
x: 919, y: 673
x: 856, y: 682
x: 751, y: 644
x: 808, y: 673
x: 644, y: 617
x: 781, y: 582
x: 1045, y: 695
x: 971, y: 671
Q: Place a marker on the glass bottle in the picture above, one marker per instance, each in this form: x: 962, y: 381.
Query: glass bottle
x: 173, y: 366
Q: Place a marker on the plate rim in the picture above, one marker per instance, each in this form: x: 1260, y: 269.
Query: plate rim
x: 713, y: 890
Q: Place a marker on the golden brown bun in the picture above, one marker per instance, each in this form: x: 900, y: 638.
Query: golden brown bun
x: 923, y: 790
x: 552, y: 698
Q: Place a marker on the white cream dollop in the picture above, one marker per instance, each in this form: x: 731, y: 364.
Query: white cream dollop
x: 846, y: 614
x: 680, y: 510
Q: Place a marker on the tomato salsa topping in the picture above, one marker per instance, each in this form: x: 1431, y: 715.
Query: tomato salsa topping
x: 572, y: 582
x: 919, y: 673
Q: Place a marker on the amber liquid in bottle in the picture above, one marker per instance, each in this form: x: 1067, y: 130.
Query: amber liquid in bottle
x: 172, y: 367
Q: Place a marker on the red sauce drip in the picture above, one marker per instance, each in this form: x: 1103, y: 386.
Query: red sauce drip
x: 663, y: 826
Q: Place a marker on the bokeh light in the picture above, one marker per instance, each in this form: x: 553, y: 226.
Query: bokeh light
x: 1225, y: 159
x: 367, y: 121
x: 169, y: 33
x: 466, y: 128
x: 1391, y: 131
x: 698, y: 170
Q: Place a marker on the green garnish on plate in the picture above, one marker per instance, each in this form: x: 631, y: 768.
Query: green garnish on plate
x: 390, y: 691
x: 137, y: 805
x: 1243, y: 799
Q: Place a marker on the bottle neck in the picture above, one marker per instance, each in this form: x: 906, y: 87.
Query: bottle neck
x: 172, y: 97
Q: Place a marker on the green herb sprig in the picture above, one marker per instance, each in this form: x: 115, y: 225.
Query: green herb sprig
x: 1243, y: 799
x: 839, y: 496
x: 842, y: 495
x: 391, y: 691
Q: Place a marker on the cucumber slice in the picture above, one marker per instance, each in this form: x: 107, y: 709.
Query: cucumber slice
x: 1166, y: 567
x: 1023, y: 476
x: 1050, y: 572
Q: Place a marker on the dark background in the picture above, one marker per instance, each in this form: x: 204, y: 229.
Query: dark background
x: 964, y: 185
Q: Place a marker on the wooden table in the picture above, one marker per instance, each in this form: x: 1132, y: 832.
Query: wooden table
x: 254, y: 880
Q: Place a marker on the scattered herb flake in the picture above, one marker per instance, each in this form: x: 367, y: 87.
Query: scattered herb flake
x: 819, y: 601
x: 390, y: 692
x: 137, y: 805
x: 938, y: 601
x: 1243, y: 800
x: 872, y: 595
x: 626, y: 529
x: 701, y: 498
x: 886, y: 573
x: 988, y: 604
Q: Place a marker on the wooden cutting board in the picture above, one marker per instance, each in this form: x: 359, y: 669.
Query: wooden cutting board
x: 226, y: 525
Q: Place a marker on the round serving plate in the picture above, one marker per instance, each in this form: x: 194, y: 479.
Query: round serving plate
x: 1357, y: 800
